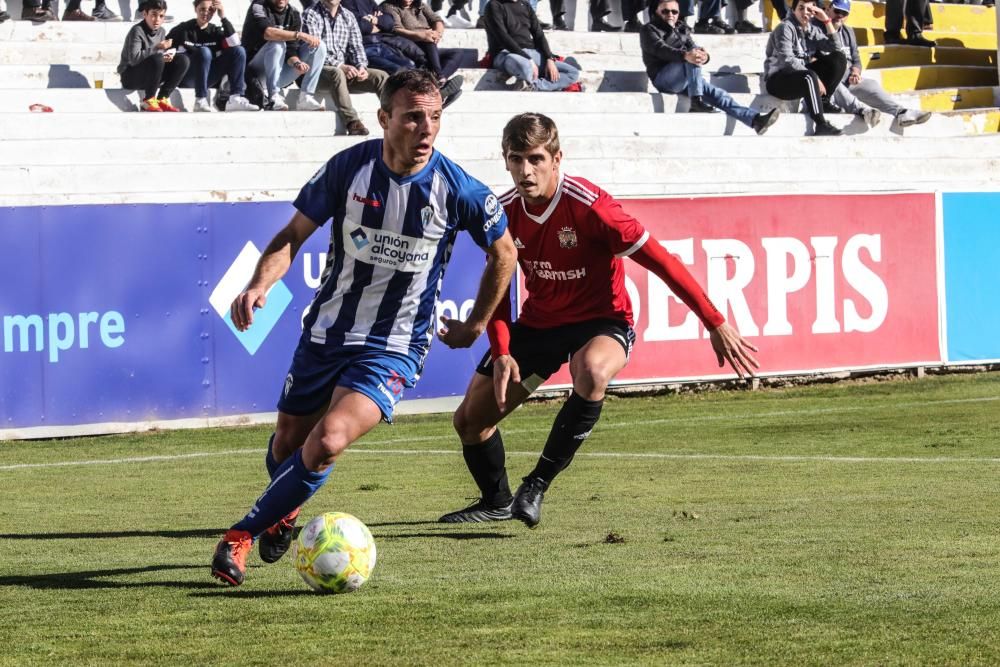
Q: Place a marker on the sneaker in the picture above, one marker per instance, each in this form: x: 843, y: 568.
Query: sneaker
x: 698, y: 106
x: 201, y: 105
x: 230, y: 561
x: 457, y: 22
x: 165, y: 105
x: 276, y: 103
x: 919, y: 40
x: 824, y: 129
x: 274, y: 542
x: 240, y: 103
x: 723, y: 26
x: 77, y: 15
x: 309, y: 103
x: 479, y: 512
x: 762, y: 121
x: 38, y: 15
x: 528, y: 501
x: 602, y: 25
x: 451, y: 90
x: 102, y: 13
x: 357, y: 129
x: 152, y: 104
x: 575, y: 87
x: 633, y: 25
x: 708, y: 28
x: 256, y: 93
x: 745, y: 27
x: 559, y: 23
x: 830, y: 107
x: 871, y: 116
x: 912, y: 117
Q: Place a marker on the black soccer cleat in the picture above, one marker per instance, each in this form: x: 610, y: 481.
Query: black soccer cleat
x: 274, y: 542
x: 229, y: 564
x: 528, y: 501
x: 479, y: 512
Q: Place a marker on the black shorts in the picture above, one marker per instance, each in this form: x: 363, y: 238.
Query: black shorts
x: 541, y: 352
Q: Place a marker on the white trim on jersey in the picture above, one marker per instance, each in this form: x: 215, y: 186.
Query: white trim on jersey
x: 540, y: 219
x: 330, y: 309
x: 574, y: 186
x: 638, y: 244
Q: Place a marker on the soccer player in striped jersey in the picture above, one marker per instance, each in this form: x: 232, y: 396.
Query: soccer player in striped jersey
x: 571, y: 238
x: 397, y: 205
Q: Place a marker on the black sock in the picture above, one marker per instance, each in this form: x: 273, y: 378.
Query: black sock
x: 573, y: 424
x: 486, y: 463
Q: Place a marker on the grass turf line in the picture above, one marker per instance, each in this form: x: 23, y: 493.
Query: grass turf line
x: 723, y: 561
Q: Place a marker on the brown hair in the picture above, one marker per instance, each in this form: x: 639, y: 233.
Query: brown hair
x: 527, y: 130
x: 417, y: 81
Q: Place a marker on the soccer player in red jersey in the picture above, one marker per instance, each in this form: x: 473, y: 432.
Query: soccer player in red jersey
x: 571, y: 238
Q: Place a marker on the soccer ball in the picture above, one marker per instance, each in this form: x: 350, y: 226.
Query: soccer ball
x: 335, y: 553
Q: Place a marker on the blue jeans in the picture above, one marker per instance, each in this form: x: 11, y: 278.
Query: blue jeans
x: 271, y: 64
x: 207, y: 69
x: 683, y: 78
x: 516, y: 65
x: 386, y: 58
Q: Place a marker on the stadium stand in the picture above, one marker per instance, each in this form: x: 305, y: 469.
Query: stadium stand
x: 636, y: 141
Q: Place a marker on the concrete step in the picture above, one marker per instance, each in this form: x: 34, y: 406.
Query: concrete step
x: 280, y: 150
x: 950, y: 99
x: 952, y: 18
x: 971, y: 40
x: 880, y: 57
x: 925, y: 77
x: 197, y: 181
x: 483, y: 125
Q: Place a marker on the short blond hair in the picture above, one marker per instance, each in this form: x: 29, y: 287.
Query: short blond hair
x: 527, y: 130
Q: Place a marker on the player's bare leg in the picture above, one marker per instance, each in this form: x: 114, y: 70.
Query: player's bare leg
x: 290, y: 433
x: 592, y: 368
x: 350, y: 416
x: 476, y: 421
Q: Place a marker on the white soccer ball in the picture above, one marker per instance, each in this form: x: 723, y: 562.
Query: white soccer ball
x: 335, y: 553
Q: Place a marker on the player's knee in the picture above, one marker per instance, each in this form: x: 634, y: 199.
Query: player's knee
x: 591, y: 381
x: 332, y: 444
x: 469, y: 429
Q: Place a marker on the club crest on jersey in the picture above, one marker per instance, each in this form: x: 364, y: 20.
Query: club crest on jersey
x: 491, y: 204
x: 567, y: 237
x: 426, y: 215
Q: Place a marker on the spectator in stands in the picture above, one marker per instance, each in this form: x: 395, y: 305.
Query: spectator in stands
x: 918, y: 18
x: 278, y: 53
x: 385, y: 51
x: 805, y: 62
x: 673, y: 62
x: 214, y: 52
x: 416, y: 21
x: 149, y: 60
x: 599, y: 10
x: 518, y: 48
x: 856, y: 94
x: 632, y: 14
x: 101, y: 12
x: 346, y: 66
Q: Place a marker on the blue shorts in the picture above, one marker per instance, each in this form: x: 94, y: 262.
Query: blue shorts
x: 317, y: 369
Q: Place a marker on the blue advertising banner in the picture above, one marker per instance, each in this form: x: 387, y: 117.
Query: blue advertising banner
x: 120, y: 313
x: 972, y: 275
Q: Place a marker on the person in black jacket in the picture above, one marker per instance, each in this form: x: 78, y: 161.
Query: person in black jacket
x: 149, y: 60
x: 673, y: 62
x: 519, y: 48
x: 214, y: 52
x: 386, y: 51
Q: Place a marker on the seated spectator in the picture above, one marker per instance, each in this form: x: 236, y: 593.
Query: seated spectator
x: 805, y: 62
x: 278, y: 53
x: 150, y: 61
x: 858, y: 95
x: 214, y: 52
x: 385, y: 50
x: 417, y: 22
x: 101, y: 12
x: 518, y: 48
x: 346, y: 66
x: 918, y: 18
x: 673, y: 62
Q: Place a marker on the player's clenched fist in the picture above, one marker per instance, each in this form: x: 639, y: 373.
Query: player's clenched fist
x: 243, y: 306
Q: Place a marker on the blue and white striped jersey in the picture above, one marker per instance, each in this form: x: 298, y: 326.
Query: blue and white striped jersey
x: 390, y: 243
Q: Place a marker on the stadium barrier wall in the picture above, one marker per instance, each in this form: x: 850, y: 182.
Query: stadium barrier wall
x: 115, y: 317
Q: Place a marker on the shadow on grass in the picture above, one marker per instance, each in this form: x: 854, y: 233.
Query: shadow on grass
x: 95, y: 579
x: 116, y: 534
x: 447, y: 536
x: 229, y: 592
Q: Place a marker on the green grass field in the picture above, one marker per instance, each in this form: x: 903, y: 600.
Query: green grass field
x: 839, y: 524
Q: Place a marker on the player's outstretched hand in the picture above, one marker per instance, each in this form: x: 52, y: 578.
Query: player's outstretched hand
x: 505, y: 373
x: 243, y: 306
x: 732, y: 347
x: 456, y: 333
